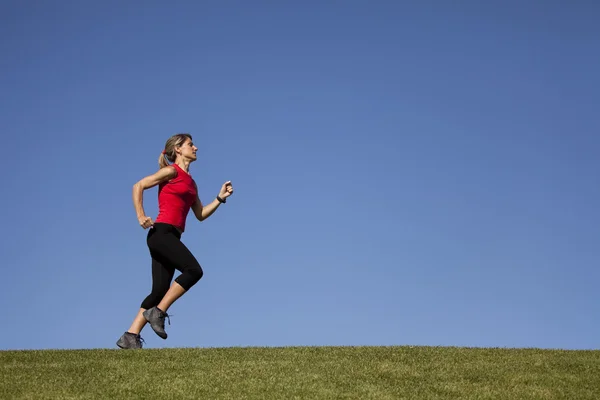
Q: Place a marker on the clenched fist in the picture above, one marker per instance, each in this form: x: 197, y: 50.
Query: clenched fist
x: 145, y: 222
x: 226, y: 190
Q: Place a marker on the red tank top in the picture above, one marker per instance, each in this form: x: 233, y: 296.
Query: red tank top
x: 175, y: 197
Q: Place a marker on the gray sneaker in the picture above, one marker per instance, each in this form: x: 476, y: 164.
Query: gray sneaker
x: 130, y: 341
x: 156, y: 318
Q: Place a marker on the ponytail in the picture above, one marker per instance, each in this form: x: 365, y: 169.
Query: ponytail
x: 162, y: 160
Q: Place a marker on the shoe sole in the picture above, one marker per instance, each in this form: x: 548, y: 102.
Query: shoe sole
x: 128, y: 348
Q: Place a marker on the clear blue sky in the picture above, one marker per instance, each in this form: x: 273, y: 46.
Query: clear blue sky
x: 405, y: 174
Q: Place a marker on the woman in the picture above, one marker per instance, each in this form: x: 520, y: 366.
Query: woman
x: 177, y: 194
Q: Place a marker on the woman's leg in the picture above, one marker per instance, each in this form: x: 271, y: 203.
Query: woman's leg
x: 191, y: 273
x: 162, y: 274
x: 166, y: 245
x: 138, y: 323
x: 161, y: 279
x: 174, y: 292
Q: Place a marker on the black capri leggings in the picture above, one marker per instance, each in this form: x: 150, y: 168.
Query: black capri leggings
x: 169, y: 254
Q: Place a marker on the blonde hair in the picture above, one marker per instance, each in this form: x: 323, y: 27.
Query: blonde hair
x: 169, y: 154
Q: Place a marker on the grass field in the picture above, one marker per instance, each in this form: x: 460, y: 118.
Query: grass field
x: 301, y: 373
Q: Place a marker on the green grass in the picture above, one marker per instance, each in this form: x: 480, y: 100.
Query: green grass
x: 301, y: 373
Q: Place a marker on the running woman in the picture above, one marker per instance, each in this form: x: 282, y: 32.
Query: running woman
x: 177, y: 194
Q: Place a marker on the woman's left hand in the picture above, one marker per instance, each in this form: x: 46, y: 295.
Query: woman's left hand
x: 226, y: 190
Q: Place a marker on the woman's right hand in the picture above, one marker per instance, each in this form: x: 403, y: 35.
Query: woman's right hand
x: 145, y: 222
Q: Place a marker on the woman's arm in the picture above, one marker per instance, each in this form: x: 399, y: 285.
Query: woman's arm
x: 202, y: 212
x: 163, y: 174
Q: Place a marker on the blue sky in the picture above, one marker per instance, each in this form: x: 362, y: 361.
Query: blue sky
x: 406, y: 173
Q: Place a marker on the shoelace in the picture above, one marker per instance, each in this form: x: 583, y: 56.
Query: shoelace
x: 140, y: 340
x: 167, y: 316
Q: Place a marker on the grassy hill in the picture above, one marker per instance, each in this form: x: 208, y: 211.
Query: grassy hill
x: 301, y: 373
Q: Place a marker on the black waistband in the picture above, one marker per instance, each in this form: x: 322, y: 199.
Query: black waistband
x: 166, y: 228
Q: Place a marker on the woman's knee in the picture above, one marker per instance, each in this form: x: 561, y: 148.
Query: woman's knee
x: 196, y: 274
x: 190, y: 277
